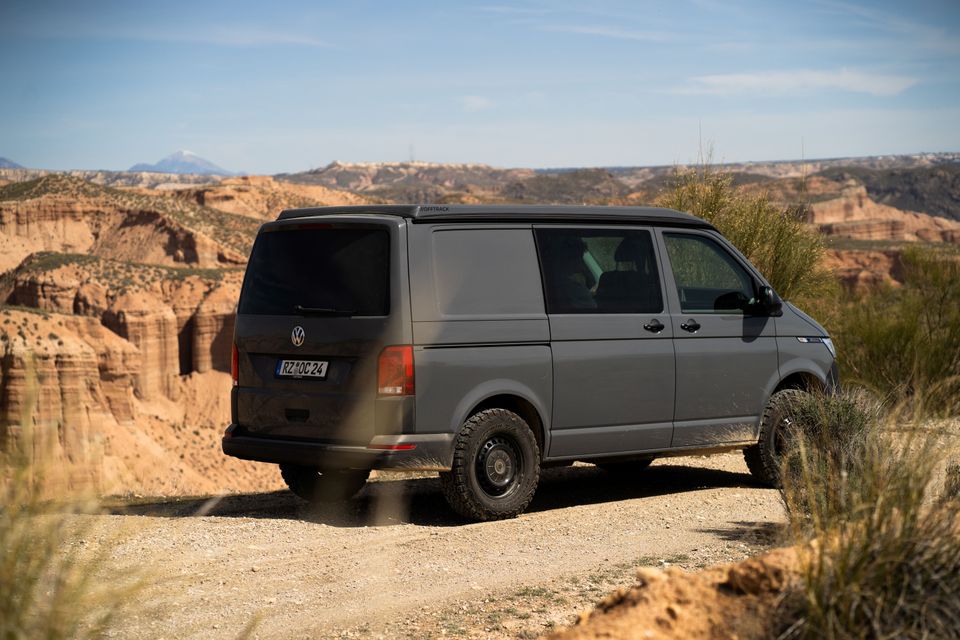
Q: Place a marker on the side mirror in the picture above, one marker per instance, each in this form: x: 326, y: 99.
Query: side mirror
x: 769, y: 302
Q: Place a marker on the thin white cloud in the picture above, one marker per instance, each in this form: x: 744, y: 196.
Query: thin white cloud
x: 228, y: 36
x: 246, y: 37
x: 611, y: 32
x: 476, y: 103
x: 916, y: 34
x: 797, y: 81
x: 516, y: 11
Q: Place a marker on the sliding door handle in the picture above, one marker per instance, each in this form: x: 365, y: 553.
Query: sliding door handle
x: 654, y: 326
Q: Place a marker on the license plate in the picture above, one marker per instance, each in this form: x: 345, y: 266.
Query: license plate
x: 302, y: 369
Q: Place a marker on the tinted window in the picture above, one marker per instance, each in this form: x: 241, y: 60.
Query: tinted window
x: 599, y: 271
x: 320, y: 268
x: 708, y: 278
x: 486, y: 272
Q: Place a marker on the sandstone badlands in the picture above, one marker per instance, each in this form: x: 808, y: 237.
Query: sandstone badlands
x: 118, y: 318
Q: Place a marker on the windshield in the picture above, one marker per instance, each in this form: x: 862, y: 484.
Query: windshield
x: 322, y: 270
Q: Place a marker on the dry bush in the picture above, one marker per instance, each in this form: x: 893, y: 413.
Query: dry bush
x: 775, y: 239
x: 52, y: 584
x: 878, y: 527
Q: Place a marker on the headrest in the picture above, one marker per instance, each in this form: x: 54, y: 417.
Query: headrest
x: 629, y: 250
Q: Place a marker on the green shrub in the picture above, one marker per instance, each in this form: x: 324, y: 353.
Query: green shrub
x: 901, y: 341
x: 880, y: 552
x: 775, y: 239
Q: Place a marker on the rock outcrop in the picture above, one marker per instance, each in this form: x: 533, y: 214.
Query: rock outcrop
x: 179, y: 322
x: 262, y: 197
x: 865, y: 269
x: 62, y: 214
x: 854, y: 215
x: 62, y: 380
x: 68, y: 392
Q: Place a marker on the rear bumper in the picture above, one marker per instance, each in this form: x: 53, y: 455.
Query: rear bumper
x: 430, y: 452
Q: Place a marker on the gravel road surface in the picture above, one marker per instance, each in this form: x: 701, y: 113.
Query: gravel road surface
x: 395, y: 562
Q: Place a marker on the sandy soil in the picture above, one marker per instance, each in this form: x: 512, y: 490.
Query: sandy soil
x: 737, y: 601
x: 394, y: 561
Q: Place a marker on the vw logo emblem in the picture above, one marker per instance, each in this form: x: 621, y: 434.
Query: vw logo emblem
x: 297, y: 336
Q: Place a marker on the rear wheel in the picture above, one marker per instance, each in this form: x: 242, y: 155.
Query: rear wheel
x: 496, y: 467
x: 626, y: 469
x: 315, y: 485
x: 763, y: 458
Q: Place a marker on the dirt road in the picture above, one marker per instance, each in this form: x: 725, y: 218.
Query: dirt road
x: 395, y: 562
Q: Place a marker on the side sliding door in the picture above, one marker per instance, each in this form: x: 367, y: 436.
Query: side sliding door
x: 613, y: 363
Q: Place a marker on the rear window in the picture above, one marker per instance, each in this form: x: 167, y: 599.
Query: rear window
x: 337, y: 269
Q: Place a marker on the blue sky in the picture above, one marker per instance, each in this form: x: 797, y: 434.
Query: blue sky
x: 269, y: 87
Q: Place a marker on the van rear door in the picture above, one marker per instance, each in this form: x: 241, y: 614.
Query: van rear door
x: 320, y: 300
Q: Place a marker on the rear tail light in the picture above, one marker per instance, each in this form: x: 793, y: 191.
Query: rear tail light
x: 395, y: 371
x: 235, y: 365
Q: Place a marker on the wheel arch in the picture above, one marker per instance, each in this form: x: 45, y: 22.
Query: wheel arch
x: 802, y: 380
x: 512, y: 397
x: 800, y: 376
x: 520, y: 406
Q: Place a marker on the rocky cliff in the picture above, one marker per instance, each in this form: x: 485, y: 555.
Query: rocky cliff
x: 118, y: 313
x: 863, y: 269
x: 179, y: 321
x: 262, y: 197
x: 855, y: 215
x: 58, y: 213
x: 70, y: 384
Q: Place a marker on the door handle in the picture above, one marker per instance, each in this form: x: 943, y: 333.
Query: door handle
x: 690, y: 325
x: 654, y: 326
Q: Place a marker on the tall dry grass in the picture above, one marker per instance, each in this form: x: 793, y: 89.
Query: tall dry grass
x: 873, y: 506
x: 54, y: 582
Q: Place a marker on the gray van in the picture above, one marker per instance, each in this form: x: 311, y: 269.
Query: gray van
x: 486, y: 342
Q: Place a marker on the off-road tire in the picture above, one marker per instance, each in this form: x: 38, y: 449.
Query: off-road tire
x: 491, y: 445
x: 626, y: 469
x: 763, y: 458
x: 318, y: 486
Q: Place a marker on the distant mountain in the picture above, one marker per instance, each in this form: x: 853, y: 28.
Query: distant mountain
x: 377, y: 176
x: 9, y: 164
x: 567, y: 187
x: 183, y: 162
x: 428, y: 182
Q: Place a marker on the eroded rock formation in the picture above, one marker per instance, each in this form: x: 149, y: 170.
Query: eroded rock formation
x: 67, y: 215
x: 854, y: 215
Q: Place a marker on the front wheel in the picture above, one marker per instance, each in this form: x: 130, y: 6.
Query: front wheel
x: 763, y: 458
x: 496, y: 467
x: 316, y: 485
